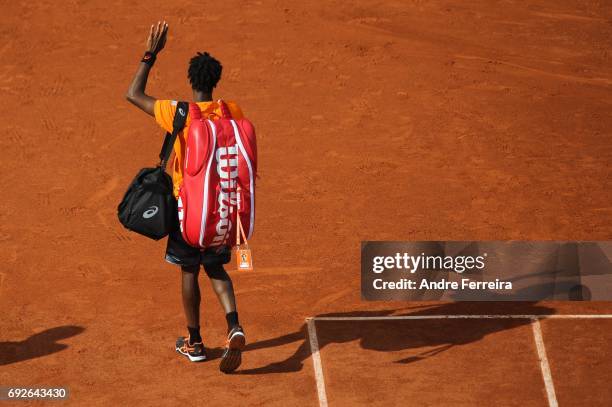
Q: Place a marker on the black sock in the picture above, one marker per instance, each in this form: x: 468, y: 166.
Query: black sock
x: 232, y: 319
x: 194, y: 335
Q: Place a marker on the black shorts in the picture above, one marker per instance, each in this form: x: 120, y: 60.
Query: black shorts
x: 180, y: 253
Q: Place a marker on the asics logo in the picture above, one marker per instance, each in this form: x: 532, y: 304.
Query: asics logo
x: 150, y: 212
x: 181, y: 111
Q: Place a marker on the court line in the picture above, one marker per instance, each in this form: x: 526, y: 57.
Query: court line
x: 544, y: 367
x: 467, y: 316
x: 537, y: 332
x: 316, y: 362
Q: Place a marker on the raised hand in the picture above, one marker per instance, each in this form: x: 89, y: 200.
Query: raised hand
x: 157, y: 37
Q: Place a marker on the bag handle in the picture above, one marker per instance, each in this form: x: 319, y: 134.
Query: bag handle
x: 180, y: 116
x: 225, y: 112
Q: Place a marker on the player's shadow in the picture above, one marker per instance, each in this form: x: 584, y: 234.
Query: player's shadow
x: 41, y: 344
x: 435, y: 335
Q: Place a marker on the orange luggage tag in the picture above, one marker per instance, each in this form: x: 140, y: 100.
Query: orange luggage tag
x: 244, y: 260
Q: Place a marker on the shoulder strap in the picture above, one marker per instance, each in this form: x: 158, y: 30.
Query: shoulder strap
x: 180, y: 116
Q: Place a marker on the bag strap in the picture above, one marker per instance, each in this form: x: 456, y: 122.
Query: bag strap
x: 239, y: 229
x: 180, y: 116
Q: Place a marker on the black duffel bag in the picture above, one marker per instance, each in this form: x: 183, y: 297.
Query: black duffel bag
x: 149, y: 207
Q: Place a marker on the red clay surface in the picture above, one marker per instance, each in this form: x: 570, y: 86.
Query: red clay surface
x: 583, y: 381
x: 436, y: 363
x: 412, y: 120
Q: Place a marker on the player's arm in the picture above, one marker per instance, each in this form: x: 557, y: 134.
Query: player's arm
x: 136, y: 92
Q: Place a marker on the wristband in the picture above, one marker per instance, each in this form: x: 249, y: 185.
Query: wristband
x: 148, y: 58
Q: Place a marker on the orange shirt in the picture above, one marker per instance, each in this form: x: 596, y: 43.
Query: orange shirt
x: 164, y: 116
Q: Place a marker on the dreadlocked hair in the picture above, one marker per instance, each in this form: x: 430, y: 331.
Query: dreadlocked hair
x: 204, y: 72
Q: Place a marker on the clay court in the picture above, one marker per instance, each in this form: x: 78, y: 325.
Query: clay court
x: 387, y: 120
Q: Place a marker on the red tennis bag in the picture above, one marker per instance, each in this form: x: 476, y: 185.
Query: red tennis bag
x: 219, y: 173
